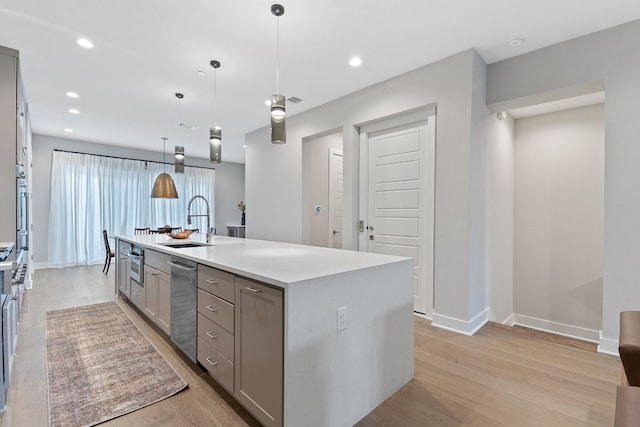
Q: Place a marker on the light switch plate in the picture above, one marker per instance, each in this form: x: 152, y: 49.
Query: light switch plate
x: 342, y: 318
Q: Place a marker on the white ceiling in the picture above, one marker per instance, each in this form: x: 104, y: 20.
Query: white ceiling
x: 146, y: 50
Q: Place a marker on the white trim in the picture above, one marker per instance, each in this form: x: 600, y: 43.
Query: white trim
x: 465, y: 327
x: 570, y: 331
x: 424, y: 316
x: 510, y: 321
x: 40, y: 265
x: 608, y: 346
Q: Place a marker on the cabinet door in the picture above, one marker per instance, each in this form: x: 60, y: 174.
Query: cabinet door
x: 151, y: 292
x: 164, y: 302
x: 259, y: 350
x: 123, y: 275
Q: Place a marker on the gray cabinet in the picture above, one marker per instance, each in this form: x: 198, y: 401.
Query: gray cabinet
x: 259, y: 334
x: 137, y: 294
x: 123, y: 285
x: 15, y: 162
x: 157, y: 288
x: 216, y: 324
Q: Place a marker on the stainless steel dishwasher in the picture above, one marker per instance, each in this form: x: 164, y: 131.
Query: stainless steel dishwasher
x: 184, y: 305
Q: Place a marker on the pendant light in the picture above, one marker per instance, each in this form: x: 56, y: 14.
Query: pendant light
x: 215, y: 133
x: 278, y: 102
x: 164, y: 188
x: 179, y: 157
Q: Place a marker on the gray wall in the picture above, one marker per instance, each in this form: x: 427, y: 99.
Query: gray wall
x: 456, y: 85
x: 609, y: 59
x: 229, y: 184
x: 559, y: 219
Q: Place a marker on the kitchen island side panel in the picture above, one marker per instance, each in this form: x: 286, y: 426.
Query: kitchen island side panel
x: 336, y: 378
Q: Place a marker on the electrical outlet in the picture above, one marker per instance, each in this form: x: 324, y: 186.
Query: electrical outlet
x: 342, y: 318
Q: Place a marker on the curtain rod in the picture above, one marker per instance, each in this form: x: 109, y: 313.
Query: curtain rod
x: 127, y: 158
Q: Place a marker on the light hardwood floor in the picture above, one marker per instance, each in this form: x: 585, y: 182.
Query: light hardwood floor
x: 499, y: 377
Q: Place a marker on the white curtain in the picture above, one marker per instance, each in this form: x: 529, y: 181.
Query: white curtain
x: 93, y: 193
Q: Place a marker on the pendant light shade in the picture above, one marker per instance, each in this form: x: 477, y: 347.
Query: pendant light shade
x: 278, y: 115
x: 164, y: 188
x: 179, y: 155
x: 215, y: 146
x: 278, y: 102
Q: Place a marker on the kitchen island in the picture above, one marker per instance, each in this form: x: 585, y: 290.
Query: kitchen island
x: 346, y: 323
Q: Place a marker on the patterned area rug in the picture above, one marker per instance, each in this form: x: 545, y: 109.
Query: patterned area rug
x: 100, y: 366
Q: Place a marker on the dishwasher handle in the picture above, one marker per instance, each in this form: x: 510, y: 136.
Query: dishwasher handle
x: 181, y: 266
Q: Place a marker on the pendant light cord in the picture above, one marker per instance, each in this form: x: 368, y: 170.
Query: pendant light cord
x: 215, y: 96
x: 278, y: 54
x: 164, y: 155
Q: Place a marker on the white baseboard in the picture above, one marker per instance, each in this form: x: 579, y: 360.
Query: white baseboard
x: 466, y: 327
x: 511, y: 320
x: 570, y: 331
x: 608, y: 346
x: 39, y: 265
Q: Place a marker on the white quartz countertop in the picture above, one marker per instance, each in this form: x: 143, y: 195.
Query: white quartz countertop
x: 279, y: 264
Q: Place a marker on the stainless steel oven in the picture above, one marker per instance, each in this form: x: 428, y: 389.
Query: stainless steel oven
x: 136, y: 264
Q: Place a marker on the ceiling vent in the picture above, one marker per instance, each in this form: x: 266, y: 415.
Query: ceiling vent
x: 294, y: 100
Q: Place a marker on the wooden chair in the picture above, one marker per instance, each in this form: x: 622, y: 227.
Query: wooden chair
x: 176, y: 229
x: 110, y: 254
x: 142, y: 230
x: 195, y: 230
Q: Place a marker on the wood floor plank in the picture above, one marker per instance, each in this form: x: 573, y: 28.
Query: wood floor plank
x: 501, y: 376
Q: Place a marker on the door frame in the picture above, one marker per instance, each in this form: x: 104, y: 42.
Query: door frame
x: 409, y: 119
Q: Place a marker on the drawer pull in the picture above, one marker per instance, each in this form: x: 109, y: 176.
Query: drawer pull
x: 210, y: 335
x: 213, y: 282
x: 255, y: 291
x: 210, y: 362
x: 211, y: 309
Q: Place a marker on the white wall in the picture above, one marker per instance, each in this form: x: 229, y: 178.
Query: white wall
x: 611, y: 59
x: 229, y: 184
x: 456, y: 86
x: 499, y: 218
x: 315, y: 187
x: 559, y: 220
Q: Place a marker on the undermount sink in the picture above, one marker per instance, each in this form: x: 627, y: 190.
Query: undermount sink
x: 186, y: 245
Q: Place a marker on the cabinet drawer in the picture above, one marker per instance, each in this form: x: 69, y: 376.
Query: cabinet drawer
x: 216, y: 309
x: 216, y: 365
x: 157, y: 260
x: 216, y: 282
x: 216, y: 336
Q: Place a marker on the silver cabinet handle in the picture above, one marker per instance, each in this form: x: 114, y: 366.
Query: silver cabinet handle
x: 210, y: 362
x: 211, y: 309
x: 255, y: 291
x: 210, y: 335
x: 213, y: 282
x: 180, y: 266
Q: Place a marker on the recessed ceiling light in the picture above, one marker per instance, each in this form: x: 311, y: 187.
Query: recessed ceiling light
x: 72, y: 95
x: 201, y: 73
x: 267, y: 103
x: 85, y: 43
x: 244, y: 146
x: 68, y: 130
x: 355, y: 61
x: 74, y: 111
x: 515, y: 42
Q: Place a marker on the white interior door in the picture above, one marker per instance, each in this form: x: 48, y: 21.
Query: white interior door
x: 401, y: 171
x: 335, y: 198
